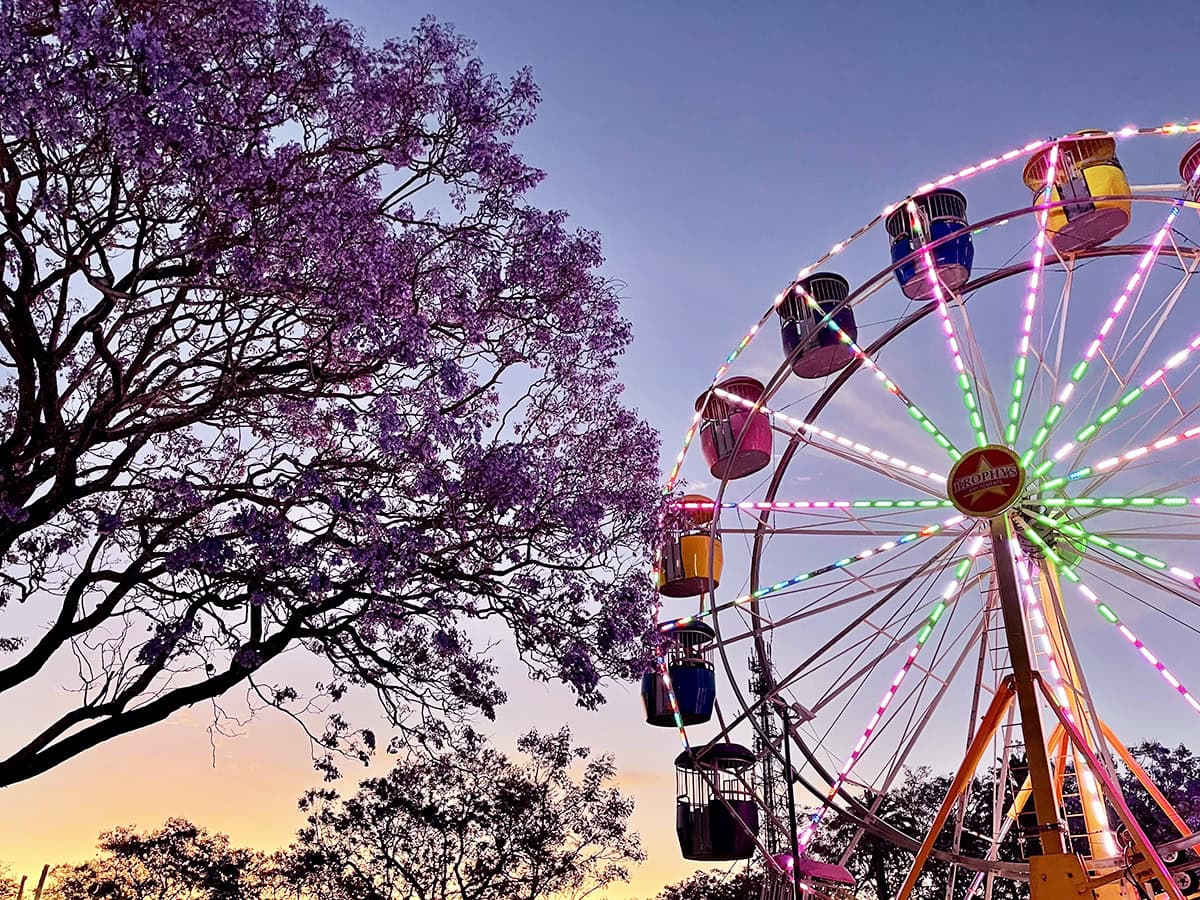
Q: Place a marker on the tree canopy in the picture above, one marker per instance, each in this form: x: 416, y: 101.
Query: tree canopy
x: 178, y: 861
x: 471, y: 824
x: 289, y: 361
x: 468, y: 823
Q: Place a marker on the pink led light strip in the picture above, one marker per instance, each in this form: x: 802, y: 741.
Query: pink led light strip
x: 888, y: 505
x: 764, y: 504
x: 810, y: 829
x: 1137, y: 452
x: 1148, y: 257
x: 1031, y: 299
x: 1170, y: 128
x: 875, y: 456
x: 1080, y: 369
x: 1111, y: 617
x: 939, y: 294
x: 1087, y: 781
x: 1109, y: 414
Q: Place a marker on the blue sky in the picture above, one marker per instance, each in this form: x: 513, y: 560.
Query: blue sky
x: 717, y: 147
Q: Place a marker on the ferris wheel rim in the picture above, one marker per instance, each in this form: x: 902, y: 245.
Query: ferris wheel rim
x: 781, y: 376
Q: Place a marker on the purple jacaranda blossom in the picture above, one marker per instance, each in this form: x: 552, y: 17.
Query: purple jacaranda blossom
x: 284, y: 393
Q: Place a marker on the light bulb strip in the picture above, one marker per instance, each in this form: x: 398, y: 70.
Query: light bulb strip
x: 1042, y: 641
x: 1033, y: 291
x: 1118, y: 502
x: 902, y: 541
x: 948, y: 596
x: 1109, y: 615
x: 1041, y: 635
x: 1090, y: 431
x: 1114, y: 462
x: 664, y: 672
x: 914, y: 411
x: 870, y: 455
x: 1169, y: 128
x: 1153, y: 563
x: 807, y: 505
x: 1080, y: 369
x: 970, y: 399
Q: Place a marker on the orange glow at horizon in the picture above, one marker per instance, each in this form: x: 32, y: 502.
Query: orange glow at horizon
x: 251, y: 793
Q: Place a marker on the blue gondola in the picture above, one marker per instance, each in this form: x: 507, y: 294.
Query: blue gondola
x: 692, y: 678
x: 715, y: 824
x: 829, y: 351
x: 943, y: 212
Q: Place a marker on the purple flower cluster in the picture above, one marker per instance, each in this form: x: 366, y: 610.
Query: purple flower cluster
x: 283, y: 395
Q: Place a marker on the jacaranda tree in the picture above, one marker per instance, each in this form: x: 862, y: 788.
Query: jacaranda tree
x: 289, y: 362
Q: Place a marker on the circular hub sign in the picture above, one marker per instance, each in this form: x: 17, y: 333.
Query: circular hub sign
x: 986, y: 481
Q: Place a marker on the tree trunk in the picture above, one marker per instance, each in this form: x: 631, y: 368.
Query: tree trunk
x: 881, y: 885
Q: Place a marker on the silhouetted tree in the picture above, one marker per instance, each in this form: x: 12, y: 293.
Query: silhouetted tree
x: 8, y: 884
x: 288, y: 362
x: 471, y: 824
x: 745, y: 884
x: 1177, y: 774
x: 179, y: 861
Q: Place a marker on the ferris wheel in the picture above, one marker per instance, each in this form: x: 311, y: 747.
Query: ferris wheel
x: 950, y: 519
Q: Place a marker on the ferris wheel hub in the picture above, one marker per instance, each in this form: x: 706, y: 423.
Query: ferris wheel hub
x: 986, y: 481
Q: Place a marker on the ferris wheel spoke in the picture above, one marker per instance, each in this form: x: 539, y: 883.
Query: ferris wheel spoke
x: 868, y: 362
x: 1032, y: 294
x: 954, y: 646
x: 883, y: 593
x: 951, y: 589
x: 1143, y: 337
x: 1136, y: 281
x: 962, y: 377
x: 1106, y: 611
x: 1115, y: 463
x: 904, y: 750
x: 1127, y: 399
x: 918, y: 590
x: 895, y: 641
x: 1144, y: 580
x: 845, y: 448
x: 828, y: 599
x: 903, y: 540
x: 1071, y: 530
x: 1161, y: 441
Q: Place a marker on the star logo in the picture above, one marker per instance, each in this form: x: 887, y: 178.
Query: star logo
x: 986, y: 481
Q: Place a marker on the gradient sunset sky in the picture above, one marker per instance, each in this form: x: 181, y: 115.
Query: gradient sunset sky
x: 716, y: 147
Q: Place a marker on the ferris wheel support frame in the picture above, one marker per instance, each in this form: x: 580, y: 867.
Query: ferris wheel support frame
x: 1050, y: 829
x: 1057, y: 869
